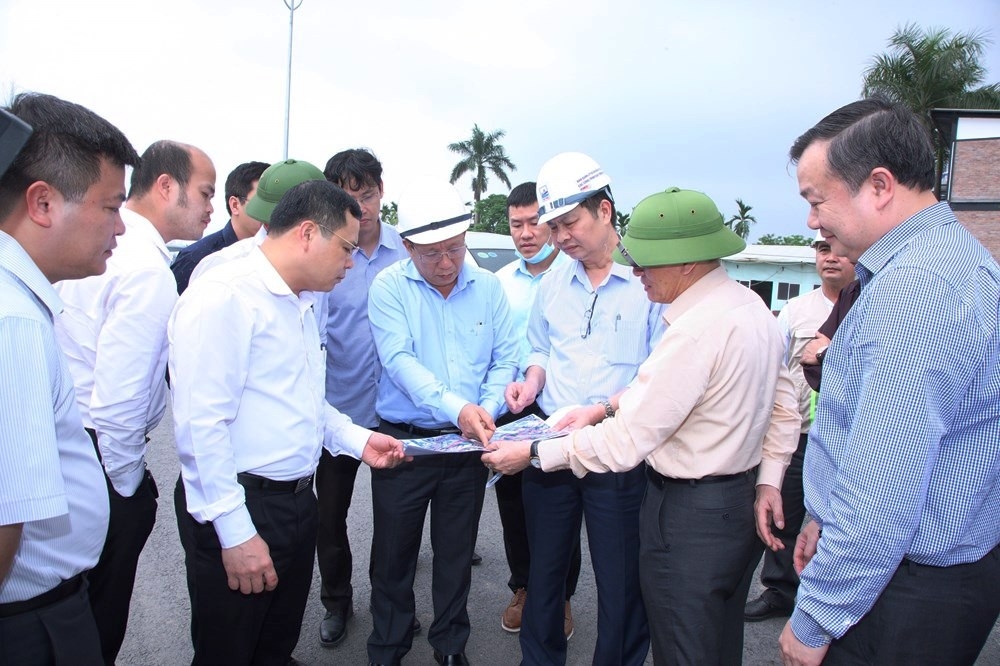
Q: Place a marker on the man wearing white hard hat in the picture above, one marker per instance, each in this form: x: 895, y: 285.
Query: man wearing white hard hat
x: 712, y: 415
x: 444, y: 335
x: 799, y: 321
x: 590, y: 327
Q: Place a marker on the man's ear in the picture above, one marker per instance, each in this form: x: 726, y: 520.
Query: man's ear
x: 163, y: 186
x: 235, y: 204
x: 40, y: 198
x: 883, y: 185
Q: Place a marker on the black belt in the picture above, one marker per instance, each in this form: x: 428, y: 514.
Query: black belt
x: 63, y: 590
x: 659, y: 480
x: 254, y: 482
x: 422, y: 432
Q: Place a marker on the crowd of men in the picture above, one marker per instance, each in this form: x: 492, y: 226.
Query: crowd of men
x: 308, y: 336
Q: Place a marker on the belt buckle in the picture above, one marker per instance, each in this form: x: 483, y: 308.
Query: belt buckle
x: 302, y: 484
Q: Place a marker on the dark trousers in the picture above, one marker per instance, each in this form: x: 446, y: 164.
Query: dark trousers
x: 112, y: 579
x: 510, y: 506
x: 699, y: 551
x: 453, y: 485
x: 778, y: 574
x: 335, y: 477
x: 927, y: 615
x: 227, y: 626
x: 555, y: 504
x: 61, y: 634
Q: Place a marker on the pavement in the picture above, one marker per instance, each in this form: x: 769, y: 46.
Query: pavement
x: 159, y: 623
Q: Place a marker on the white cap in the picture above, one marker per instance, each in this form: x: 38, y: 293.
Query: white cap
x: 566, y: 180
x: 819, y: 239
x: 432, y: 214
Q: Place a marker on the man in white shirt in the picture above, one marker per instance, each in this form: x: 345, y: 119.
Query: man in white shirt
x: 114, y: 334
x: 799, y: 322
x: 59, y: 217
x: 251, y: 420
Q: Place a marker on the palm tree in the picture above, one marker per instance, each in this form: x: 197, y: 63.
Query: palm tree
x: 933, y: 69
x: 741, y: 221
x: 621, y: 222
x: 481, y: 153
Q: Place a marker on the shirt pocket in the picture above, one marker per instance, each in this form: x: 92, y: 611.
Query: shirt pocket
x: 628, y: 343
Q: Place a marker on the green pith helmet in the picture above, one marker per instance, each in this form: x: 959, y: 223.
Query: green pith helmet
x: 274, y: 182
x: 677, y: 227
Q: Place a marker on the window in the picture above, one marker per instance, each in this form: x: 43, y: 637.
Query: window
x: 787, y: 290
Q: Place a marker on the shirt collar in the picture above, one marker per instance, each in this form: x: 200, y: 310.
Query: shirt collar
x: 229, y: 234
x: 268, y: 274
x: 618, y: 272
x: 388, y: 238
x: 884, y: 249
x: 19, y: 263
x: 695, y: 294
x: 137, y: 225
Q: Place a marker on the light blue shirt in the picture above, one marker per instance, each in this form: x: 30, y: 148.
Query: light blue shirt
x: 352, y: 365
x: 903, y: 459
x: 440, y: 354
x: 50, y: 478
x: 624, y: 328
x: 520, y: 287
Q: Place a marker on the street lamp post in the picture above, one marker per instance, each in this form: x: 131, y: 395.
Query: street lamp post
x: 292, y: 6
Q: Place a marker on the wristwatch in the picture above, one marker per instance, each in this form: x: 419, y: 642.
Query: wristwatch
x: 533, y: 454
x: 608, y: 409
x: 821, y: 353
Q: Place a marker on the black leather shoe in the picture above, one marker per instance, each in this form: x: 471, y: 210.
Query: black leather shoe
x: 333, y: 629
x: 765, y: 607
x: 451, y: 659
x: 416, y: 625
x: 477, y: 559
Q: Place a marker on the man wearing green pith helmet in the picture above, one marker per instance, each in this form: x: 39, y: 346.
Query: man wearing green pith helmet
x: 713, y: 415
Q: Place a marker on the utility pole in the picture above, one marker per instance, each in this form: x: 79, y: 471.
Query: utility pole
x: 292, y: 6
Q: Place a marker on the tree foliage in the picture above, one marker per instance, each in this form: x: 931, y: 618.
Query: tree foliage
x: 621, y: 222
x: 491, y: 215
x: 481, y: 153
x: 741, y: 221
x: 929, y: 69
x: 389, y: 213
x: 795, y: 239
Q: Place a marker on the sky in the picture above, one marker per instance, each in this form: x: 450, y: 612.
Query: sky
x: 705, y: 95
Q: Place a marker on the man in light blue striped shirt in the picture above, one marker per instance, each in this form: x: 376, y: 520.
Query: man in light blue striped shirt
x: 59, y: 215
x: 901, y: 563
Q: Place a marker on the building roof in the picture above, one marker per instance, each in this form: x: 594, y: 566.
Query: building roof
x: 775, y: 254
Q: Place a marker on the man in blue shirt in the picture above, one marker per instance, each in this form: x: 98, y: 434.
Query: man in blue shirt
x: 240, y: 186
x: 900, y: 563
x: 352, y: 374
x: 444, y: 336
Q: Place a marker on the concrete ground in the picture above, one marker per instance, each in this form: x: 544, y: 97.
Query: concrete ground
x: 158, y: 633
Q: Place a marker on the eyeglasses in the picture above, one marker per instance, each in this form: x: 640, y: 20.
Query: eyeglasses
x: 354, y: 247
x: 628, y: 257
x: 588, y: 316
x: 367, y: 198
x: 434, y: 257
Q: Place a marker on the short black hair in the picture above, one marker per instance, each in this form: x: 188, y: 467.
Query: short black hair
x: 354, y: 168
x: 240, y: 181
x: 163, y: 157
x: 321, y: 201
x: 872, y: 133
x: 64, y: 150
x: 593, y: 204
x: 522, y: 195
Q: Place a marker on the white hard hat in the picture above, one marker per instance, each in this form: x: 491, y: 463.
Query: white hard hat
x: 432, y: 214
x: 819, y: 239
x: 566, y: 180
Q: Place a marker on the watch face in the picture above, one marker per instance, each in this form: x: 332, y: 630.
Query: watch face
x: 536, y: 463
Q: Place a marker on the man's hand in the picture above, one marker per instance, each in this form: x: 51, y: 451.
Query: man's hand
x: 476, y: 423
x: 383, y: 452
x: 249, y: 567
x: 805, y: 545
x: 581, y: 417
x: 519, y: 395
x: 509, y: 458
x: 795, y: 653
x: 10, y: 540
x: 767, y: 507
x: 809, y: 351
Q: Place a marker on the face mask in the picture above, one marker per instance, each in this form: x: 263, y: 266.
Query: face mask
x: 541, y: 256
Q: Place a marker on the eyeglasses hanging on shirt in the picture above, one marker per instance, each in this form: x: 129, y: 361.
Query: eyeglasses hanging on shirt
x: 588, y: 316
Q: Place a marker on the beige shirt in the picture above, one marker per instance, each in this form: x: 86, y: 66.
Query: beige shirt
x: 713, y: 398
x: 798, y: 322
